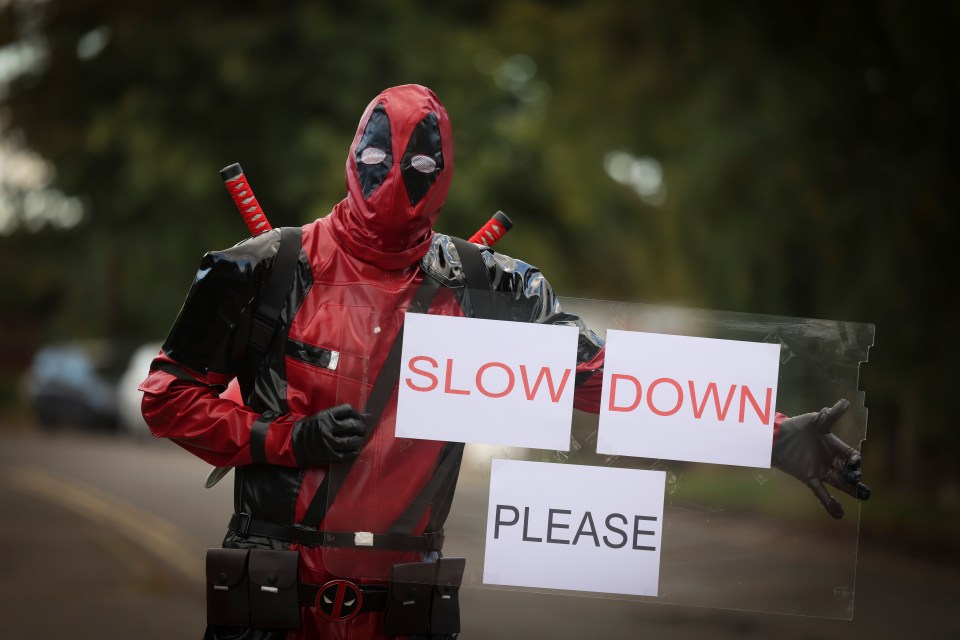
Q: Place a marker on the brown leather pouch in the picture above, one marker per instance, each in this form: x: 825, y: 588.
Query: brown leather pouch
x: 445, y: 608
x: 274, y: 589
x: 408, y: 603
x: 227, y: 594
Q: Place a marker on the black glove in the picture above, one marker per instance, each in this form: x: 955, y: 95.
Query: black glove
x: 807, y: 450
x: 332, y: 435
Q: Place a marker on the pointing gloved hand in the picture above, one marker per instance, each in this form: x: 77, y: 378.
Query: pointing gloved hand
x: 332, y: 435
x: 807, y: 450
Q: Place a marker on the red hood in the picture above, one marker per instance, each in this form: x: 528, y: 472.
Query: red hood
x: 389, y: 212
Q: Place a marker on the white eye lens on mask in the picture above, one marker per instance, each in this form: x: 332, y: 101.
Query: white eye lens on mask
x: 372, y: 155
x: 423, y: 164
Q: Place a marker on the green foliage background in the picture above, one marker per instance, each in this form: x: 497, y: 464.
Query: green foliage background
x: 807, y: 153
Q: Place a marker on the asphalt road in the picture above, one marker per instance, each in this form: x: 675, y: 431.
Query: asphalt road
x: 104, y: 537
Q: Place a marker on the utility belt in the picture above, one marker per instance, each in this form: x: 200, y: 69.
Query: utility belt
x: 261, y: 588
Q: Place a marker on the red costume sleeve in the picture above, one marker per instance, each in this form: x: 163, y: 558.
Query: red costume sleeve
x: 185, y: 406
x: 778, y: 419
x: 586, y: 397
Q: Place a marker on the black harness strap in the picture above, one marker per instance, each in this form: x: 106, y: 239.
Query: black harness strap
x: 478, y: 280
x: 379, y: 396
x: 446, y: 472
x: 448, y: 467
x: 273, y: 293
x: 390, y: 371
x: 318, y: 504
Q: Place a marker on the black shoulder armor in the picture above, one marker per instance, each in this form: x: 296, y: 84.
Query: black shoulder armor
x: 211, y: 330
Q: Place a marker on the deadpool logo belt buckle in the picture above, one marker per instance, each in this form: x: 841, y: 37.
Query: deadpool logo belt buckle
x: 339, y: 600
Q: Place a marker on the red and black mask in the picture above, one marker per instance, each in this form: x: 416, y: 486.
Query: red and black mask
x: 398, y: 174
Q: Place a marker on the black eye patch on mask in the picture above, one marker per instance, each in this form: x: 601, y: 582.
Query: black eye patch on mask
x: 423, y: 159
x: 373, y: 154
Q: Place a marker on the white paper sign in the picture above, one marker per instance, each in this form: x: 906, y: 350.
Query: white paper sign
x: 574, y: 527
x: 683, y: 398
x: 487, y: 381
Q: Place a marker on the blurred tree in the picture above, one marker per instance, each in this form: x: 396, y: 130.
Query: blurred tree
x: 806, y: 153
x: 137, y: 108
x: 785, y: 159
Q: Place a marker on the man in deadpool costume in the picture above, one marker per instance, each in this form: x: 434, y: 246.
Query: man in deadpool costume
x: 357, y: 272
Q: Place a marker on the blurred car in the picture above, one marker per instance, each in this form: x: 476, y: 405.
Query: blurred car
x: 74, y: 383
x: 128, y: 396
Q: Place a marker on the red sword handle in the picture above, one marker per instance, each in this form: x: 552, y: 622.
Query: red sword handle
x: 495, y: 228
x: 243, y: 197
